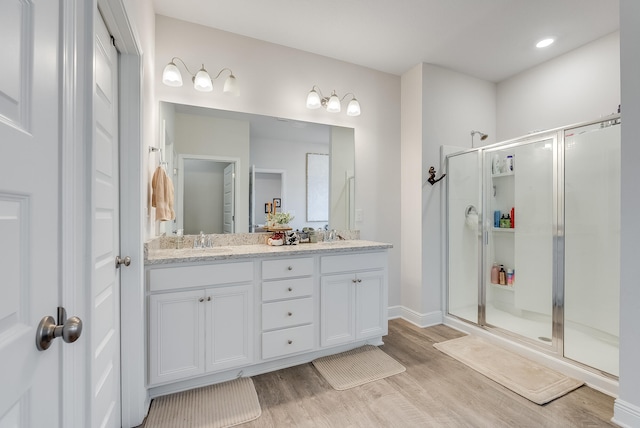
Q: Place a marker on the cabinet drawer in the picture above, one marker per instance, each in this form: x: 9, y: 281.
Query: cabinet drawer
x: 353, y: 262
x: 199, y: 276
x: 288, y: 341
x: 287, y: 289
x: 287, y: 268
x: 287, y: 313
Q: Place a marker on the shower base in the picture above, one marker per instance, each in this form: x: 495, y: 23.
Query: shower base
x: 582, y: 344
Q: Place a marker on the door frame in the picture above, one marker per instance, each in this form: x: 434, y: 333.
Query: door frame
x: 134, y: 399
x: 179, y: 208
x: 77, y: 48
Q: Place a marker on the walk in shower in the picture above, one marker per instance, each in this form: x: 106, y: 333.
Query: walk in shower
x: 533, y: 237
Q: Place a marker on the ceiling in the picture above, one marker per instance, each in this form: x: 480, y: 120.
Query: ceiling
x: 489, y: 39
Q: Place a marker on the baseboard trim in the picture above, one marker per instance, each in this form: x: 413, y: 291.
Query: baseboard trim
x: 625, y: 414
x: 418, y: 319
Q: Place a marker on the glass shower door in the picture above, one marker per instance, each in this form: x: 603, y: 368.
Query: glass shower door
x: 463, y: 234
x: 592, y: 245
x: 519, y: 243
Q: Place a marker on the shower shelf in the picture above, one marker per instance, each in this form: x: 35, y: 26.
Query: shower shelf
x: 504, y: 229
x: 503, y: 287
x: 503, y: 174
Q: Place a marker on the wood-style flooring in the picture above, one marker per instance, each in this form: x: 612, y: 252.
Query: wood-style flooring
x: 435, y: 391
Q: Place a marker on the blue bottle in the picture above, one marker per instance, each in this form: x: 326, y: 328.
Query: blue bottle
x: 496, y: 218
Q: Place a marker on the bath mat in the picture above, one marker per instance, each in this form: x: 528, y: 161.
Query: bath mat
x: 357, y: 367
x: 216, y: 406
x: 521, y: 375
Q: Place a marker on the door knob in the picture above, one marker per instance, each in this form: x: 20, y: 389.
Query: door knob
x: 122, y: 261
x: 69, y: 329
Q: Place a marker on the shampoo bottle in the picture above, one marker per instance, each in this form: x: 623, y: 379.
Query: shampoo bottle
x: 502, y: 276
x: 495, y: 274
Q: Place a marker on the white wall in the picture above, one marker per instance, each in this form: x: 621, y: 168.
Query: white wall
x: 581, y: 85
x: 274, y: 81
x: 342, y: 163
x: 627, y: 407
x: 292, y: 156
x: 214, y: 136
x: 440, y: 107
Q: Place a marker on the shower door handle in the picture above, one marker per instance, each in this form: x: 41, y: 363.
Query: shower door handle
x: 486, y: 237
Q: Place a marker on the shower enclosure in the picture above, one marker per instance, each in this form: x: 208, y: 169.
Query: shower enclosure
x: 533, y: 233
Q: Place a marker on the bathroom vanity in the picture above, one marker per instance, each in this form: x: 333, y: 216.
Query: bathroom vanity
x: 219, y: 313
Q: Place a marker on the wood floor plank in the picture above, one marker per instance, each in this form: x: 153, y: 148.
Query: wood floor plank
x: 435, y: 391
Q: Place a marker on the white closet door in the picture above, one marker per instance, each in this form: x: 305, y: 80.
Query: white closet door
x: 29, y: 211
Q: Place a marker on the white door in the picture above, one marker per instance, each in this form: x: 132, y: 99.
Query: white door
x: 229, y: 200
x: 29, y: 211
x: 105, y: 278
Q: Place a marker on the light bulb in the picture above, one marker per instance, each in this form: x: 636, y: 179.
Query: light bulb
x: 171, y: 75
x: 313, y: 100
x: 202, y: 81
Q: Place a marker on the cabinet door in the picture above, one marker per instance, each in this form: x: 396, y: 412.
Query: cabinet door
x: 371, y: 306
x: 176, y: 336
x: 229, y: 327
x: 337, y: 314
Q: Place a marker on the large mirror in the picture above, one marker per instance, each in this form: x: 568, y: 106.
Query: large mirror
x: 227, y: 167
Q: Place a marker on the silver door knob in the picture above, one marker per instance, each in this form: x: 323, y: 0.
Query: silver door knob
x: 69, y: 329
x: 123, y: 261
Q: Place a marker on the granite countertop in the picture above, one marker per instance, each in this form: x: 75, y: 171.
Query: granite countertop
x: 231, y: 252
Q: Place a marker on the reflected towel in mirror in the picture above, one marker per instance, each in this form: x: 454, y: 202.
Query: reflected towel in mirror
x: 162, y: 195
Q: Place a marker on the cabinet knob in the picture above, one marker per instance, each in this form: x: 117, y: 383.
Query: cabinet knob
x: 289, y: 342
x: 359, y: 280
x: 289, y: 313
x: 209, y: 299
x: 290, y: 268
x: 353, y: 280
x: 290, y: 289
x: 201, y: 299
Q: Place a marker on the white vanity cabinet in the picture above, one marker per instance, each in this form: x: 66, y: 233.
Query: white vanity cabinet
x: 206, y: 328
x: 242, y: 313
x: 353, y: 295
x: 287, y: 306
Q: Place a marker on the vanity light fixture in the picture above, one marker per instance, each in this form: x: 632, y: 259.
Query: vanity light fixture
x: 315, y: 99
x: 202, y: 82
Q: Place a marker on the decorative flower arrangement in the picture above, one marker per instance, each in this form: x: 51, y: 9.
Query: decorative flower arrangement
x: 279, y: 219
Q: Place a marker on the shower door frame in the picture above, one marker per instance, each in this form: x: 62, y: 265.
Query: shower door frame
x: 556, y: 348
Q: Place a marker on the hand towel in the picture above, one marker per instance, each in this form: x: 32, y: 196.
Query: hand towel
x: 162, y: 195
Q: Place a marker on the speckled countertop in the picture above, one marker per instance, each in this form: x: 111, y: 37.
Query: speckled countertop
x: 189, y: 255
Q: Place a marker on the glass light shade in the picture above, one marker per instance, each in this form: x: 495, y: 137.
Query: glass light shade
x: 171, y: 75
x: 333, y: 105
x: 231, y: 86
x: 202, y: 81
x: 313, y: 100
x: 353, y: 109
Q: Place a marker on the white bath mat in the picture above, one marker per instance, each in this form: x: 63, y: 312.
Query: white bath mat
x: 521, y: 375
x: 216, y: 406
x: 357, y: 367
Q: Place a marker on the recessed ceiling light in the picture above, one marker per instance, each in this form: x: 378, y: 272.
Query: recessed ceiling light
x: 544, y: 43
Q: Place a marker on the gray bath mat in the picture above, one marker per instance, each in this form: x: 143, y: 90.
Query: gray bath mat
x: 525, y: 377
x: 357, y: 367
x: 216, y: 406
